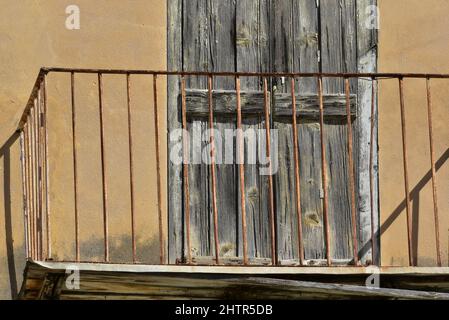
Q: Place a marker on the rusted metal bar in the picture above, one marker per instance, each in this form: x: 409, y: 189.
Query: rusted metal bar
x: 185, y: 166
x: 39, y: 172
x: 351, y: 175
x: 368, y: 75
x: 131, y: 166
x: 23, y: 158
x: 46, y: 170
x: 270, y: 175
x: 35, y: 182
x: 434, y: 178
x: 22, y: 168
x: 406, y: 185
x: 36, y: 179
x: 324, y: 172
x: 241, y: 158
x: 75, y: 173
x: 297, y: 179
x: 33, y: 179
x: 29, y: 175
x: 371, y: 170
x: 212, y: 168
x: 158, y: 167
x: 103, y: 171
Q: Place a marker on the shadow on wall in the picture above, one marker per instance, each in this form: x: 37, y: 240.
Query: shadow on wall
x: 15, y: 257
x: 414, y: 198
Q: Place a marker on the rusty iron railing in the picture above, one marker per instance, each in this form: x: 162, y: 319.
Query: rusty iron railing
x: 35, y: 164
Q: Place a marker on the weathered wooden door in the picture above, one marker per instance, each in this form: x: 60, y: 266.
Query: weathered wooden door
x: 266, y: 36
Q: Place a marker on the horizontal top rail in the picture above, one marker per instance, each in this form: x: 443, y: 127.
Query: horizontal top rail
x: 242, y: 74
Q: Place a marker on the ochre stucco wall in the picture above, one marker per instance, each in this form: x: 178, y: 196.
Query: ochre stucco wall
x: 114, y: 34
x: 414, y: 37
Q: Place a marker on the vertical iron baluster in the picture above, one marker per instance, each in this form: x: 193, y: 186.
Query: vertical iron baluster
x: 434, y: 178
x: 36, y: 177
x: 185, y: 166
x: 158, y: 166
x: 131, y: 165
x: 39, y: 167
x: 371, y: 170
x: 406, y: 185
x: 324, y: 172
x: 351, y: 175
x: 75, y: 174
x: 241, y: 158
x: 46, y: 170
x: 297, y: 177
x: 23, y: 158
x: 33, y: 178
x: 270, y: 176
x: 29, y: 185
x: 103, y: 171
x: 212, y: 167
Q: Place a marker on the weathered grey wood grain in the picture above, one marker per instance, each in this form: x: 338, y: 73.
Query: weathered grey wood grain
x: 223, y: 58
x: 252, y: 49
x: 338, y: 48
x: 224, y: 102
x: 116, y: 283
x: 282, y: 60
x: 367, y: 62
x: 175, y: 198
x: 264, y: 35
x: 307, y: 48
x: 306, y: 43
x: 307, y: 105
x: 196, y: 56
x: 253, y: 103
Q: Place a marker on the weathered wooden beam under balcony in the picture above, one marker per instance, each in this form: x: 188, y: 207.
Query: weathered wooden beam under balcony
x: 47, y: 280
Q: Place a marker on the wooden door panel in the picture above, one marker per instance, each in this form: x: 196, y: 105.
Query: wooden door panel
x: 280, y: 36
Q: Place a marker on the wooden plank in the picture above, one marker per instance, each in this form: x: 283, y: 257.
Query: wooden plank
x: 338, y: 49
x: 253, y: 40
x: 209, y: 35
x: 252, y: 54
x: 174, y: 63
x: 223, y: 58
x: 307, y: 105
x: 100, y: 280
x: 224, y: 102
x: 306, y: 59
x: 300, y: 289
x: 196, y: 56
x: 306, y: 43
x: 367, y: 62
x: 282, y: 61
x: 252, y: 103
x: 200, y: 215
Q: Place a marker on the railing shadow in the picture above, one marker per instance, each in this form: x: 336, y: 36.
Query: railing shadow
x: 5, y: 153
x: 414, y: 196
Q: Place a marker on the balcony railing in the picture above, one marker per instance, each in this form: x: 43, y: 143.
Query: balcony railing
x: 36, y: 173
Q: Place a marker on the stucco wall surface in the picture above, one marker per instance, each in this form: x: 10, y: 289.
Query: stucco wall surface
x: 127, y: 34
x: 414, y: 37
